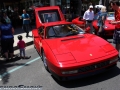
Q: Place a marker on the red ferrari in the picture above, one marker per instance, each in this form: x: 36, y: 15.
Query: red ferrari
x: 109, y: 28
x: 67, y: 51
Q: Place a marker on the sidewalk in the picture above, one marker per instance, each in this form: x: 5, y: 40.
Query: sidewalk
x: 28, y: 40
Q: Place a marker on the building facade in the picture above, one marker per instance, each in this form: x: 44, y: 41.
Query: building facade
x: 70, y: 8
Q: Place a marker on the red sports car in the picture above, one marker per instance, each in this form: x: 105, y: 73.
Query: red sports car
x: 109, y: 28
x: 67, y: 50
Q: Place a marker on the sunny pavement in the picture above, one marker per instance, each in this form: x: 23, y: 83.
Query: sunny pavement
x: 28, y: 40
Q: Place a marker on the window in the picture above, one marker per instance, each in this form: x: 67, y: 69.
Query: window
x: 63, y: 30
x: 50, y: 32
x: 49, y: 16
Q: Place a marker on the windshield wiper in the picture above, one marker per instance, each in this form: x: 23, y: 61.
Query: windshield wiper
x: 72, y: 34
x: 54, y: 36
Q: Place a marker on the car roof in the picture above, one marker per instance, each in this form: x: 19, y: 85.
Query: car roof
x: 56, y: 23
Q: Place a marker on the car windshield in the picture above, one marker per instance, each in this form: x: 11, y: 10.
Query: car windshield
x: 63, y: 30
x: 110, y: 15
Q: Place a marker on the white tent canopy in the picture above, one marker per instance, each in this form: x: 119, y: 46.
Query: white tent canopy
x: 98, y: 6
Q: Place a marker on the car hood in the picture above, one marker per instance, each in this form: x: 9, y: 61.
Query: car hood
x: 79, y: 48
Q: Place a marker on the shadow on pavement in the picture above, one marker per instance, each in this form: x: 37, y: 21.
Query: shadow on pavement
x: 19, y: 30
x: 90, y: 80
x: 4, y: 65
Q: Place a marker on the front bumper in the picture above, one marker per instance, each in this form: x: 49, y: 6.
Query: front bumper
x: 85, y: 74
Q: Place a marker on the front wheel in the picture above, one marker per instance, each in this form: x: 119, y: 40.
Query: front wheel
x: 44, y: 59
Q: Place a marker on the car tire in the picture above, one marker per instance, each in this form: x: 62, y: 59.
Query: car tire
x: 44, y: 61
x: 34, y: 43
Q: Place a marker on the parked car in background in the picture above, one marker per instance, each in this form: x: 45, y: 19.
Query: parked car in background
x: 79, y: 21
x: 108, y: 27
x: 110, y: 16
x: 67, y: 51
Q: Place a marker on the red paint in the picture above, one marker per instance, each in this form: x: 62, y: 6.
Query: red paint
x: 72, y: 52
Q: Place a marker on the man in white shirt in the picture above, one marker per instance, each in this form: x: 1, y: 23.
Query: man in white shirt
x: 88, y: 17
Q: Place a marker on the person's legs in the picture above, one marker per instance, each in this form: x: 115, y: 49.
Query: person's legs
x: 6, y: 55
x: 101, y: 32
x: 24, y: 27
x: 117, y: 46
x: 10, y: 47
x: 27, y: 30
x: 11, y: 55
x: 91, y: 28
x: 116, y: 40
x: 24, y: 53
x: 4, y: 44
x: 20, y: 53
x: 87, y: 24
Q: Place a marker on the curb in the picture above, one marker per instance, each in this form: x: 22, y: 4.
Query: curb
x: 27, y: 44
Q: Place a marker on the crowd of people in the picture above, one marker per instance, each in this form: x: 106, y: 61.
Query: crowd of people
x: 102, y: 14
x: 7, y: 35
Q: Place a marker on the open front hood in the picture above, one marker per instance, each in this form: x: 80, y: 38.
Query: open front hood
x: 79, y: 48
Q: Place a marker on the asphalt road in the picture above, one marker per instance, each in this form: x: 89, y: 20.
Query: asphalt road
x: 31, y: 72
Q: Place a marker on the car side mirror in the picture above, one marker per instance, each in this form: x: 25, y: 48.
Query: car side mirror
x: 41, y: 31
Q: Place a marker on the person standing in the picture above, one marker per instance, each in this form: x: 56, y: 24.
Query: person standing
x: 88, y: 17
x: 26, y: 22
x: 7, y: 19
x: 116, y: 36
x: 21, y: 45
x: 7, y: 38
x: 101, y: 22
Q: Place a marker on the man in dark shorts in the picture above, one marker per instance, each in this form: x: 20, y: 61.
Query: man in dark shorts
x: 116, y: 36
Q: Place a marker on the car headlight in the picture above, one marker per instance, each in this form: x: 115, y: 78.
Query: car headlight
x: 70, y: 72
x: 114, y: 60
